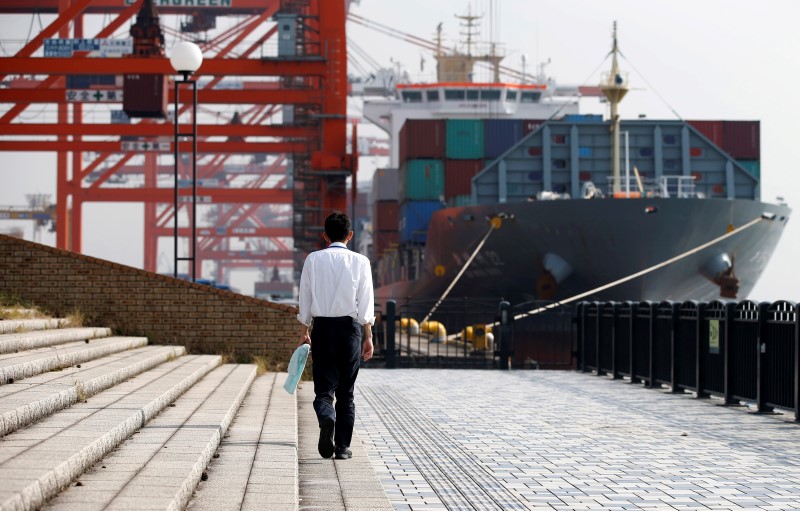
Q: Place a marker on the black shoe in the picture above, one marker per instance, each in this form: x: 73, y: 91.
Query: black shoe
x: 344, y: 454
x: 325, y: 445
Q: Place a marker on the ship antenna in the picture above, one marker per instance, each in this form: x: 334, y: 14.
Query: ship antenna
x: 614, y: 85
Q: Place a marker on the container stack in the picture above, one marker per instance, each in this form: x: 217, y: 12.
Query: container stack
x: 740, y: 139
x: 385, y: 211
x: 422, y: 151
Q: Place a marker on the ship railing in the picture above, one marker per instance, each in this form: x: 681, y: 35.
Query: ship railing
x: 680, y: 187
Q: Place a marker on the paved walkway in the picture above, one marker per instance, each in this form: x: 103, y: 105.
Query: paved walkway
x: 491, y: 440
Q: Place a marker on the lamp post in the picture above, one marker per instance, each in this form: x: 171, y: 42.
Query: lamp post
x: 186, y: 58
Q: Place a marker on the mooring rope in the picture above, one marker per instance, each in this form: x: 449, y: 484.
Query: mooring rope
x: 639, y: 273
x: 460, y: 273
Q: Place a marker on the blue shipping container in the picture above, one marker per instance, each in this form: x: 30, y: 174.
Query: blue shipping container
x: 414, y: 219
x: 751, y: 166
x: 500, y: 135
x: 464, y: 139
x: 583, y: 118
x: 422, y: 180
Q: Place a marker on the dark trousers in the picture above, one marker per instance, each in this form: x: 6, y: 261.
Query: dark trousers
x: 336, y: 355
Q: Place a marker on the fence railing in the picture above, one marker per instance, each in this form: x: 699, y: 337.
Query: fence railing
x: 744, y: 351
x: 474, y: 333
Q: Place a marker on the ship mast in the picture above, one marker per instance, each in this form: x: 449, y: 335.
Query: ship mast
x: 614, y: 85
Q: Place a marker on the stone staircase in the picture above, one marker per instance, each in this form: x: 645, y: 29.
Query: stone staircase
x: 89, y: 420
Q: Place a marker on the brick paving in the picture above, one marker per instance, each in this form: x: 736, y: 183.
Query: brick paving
x: 491, y: 440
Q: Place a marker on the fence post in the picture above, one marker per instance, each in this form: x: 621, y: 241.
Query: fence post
x: 700, y: 374
x: 505, y: 334
x: 391, y: 310
x: 614, y: 369
x: 797, y: 364
x: 726, y: 354
x: 761, y: 346
x: 632, y: 350
x: 598, y: 371
x: 582, y: 345
x: 673, y: 370
x: 651, y: 363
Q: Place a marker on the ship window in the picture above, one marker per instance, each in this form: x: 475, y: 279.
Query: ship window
x: 559, y: 139
x: 530, y: 97
x: 535, y: 151
x: 695, y: 152
x: 670, y: 139
x: 559, y: 164
x: 646, y: 151
x: 511, y: 95
x: 670, y: 164
x: 433, y: 95
x: 490, y: 95
x: 412, y: 96
x: 585, y: 152
x: 454, y: 94
x: 472, y: 94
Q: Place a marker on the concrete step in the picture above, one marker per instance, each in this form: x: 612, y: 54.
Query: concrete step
x: 16, y: 366
x: 42, y: 395
x: 160, y: 466
x: 12, y: 343
x: 257, y: 463
x: 39, y: 461
x: 333, y: 485
x: 10, y: 326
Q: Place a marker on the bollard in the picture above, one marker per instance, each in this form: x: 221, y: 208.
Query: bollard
x: 391, y: 314
x: 505, y: 334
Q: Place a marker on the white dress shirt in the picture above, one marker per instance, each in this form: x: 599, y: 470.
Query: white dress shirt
x: 336, y: 282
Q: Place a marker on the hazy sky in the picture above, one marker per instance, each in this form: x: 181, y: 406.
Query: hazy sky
x: 708, y: 59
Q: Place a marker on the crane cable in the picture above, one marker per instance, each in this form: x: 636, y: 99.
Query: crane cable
x: 492, y: 228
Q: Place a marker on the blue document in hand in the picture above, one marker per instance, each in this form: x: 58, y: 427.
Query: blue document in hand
x: 296, y: 366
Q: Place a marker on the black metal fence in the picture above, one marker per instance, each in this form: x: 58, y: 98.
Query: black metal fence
x: 744, y: 351
x: 474, y: 333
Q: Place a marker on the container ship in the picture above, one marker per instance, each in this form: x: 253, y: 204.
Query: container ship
x: 546, y: 203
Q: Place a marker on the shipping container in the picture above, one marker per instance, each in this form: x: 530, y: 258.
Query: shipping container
x: 88, y: 81
x: 752, y: 166
x: 741, y: 139
x: 465, y: 139
x: 382, y: 241
x: 386, y: 216
x: 421, y: 180
x: 458, y: 177
x: 414, y: 219
x: 531, y: 125
x: 386, y: 184
x: 362, y: 206
x: 146, y: 95
x: 583, y: 118
x: 500, y: 135
x: 422, y: 138
x: 712, y: 130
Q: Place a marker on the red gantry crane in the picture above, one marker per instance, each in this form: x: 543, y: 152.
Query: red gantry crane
x: 272, y: 156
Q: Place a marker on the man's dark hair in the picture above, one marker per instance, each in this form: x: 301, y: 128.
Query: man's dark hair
x: 337, y: 226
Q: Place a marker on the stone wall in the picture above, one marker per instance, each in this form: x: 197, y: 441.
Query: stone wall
x: 137, y: 302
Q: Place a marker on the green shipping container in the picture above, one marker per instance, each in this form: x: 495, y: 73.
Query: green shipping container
x: 465, y: 139
x: 751, y: 166
x: 422, y: 180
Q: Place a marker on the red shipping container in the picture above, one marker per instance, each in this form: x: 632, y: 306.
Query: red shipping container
x: 712, y: 130
x: 530, y: 125
x: 383, y: 241
x: 146, y: 96
x: 458, y: 176
x: 422, y: 138
x: 742, y: 139
x: 386, y: 216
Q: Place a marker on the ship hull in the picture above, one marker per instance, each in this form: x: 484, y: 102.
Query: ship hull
x: 562, y: 248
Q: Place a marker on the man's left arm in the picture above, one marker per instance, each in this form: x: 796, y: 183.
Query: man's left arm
x: 367, y: 348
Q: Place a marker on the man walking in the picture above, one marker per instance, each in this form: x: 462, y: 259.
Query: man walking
x: 336, y: 296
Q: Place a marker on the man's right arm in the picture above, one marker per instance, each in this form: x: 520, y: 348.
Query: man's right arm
x: 304, y: 303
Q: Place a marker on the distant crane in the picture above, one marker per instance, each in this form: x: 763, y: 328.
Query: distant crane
x: 38, y: 209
